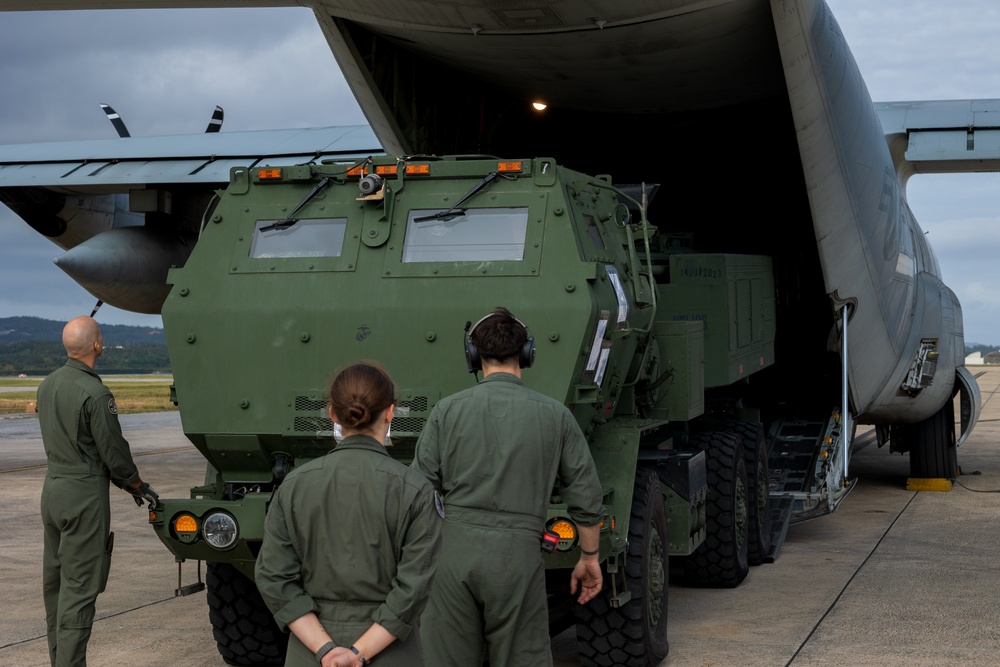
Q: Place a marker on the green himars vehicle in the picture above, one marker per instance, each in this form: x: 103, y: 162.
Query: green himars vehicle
x: 664, y: 355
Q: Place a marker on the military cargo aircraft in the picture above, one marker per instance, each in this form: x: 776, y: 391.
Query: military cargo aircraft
x: 813, y: 183
x: 435, y: 80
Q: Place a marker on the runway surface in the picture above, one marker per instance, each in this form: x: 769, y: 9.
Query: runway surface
x: 893, y: 578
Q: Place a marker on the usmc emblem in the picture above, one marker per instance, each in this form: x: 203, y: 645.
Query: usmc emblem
x: 112, y: 406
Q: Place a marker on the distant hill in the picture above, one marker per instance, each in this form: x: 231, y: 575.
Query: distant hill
x: 33, y: 346
x: 21, y: 329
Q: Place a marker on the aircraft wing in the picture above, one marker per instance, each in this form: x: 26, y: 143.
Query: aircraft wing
x: 942, y: 136
x: 129, y: 209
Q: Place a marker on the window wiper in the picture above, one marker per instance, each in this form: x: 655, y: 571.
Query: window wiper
x: 290, y: 219
x: 455, y: 211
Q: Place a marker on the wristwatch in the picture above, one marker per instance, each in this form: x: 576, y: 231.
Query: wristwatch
x: 323, y: 650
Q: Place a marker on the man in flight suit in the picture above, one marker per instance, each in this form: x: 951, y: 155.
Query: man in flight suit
x: 495, y: 452
x: 85, y: 447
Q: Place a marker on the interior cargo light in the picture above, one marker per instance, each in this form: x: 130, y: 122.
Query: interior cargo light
x: 185, y: 524
x: 510, y: 167
x: 269, y: 174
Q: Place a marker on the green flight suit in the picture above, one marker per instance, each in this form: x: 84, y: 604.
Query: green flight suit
x: 84, y: 445
x: 495, y: 452
x: 354, y: 537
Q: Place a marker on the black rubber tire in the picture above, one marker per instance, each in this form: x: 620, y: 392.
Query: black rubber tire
x: 244, y: 628
x: 722, y: 560
x: 933, y: 449
x: 634, y: 635
x: 759, y: 500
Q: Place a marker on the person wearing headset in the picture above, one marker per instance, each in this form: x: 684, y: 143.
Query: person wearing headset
x: 495, y: 452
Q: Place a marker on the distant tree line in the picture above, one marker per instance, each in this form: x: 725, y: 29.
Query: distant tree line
x: 41, y: 357
x: 22, y: 329
x: 33, y: 346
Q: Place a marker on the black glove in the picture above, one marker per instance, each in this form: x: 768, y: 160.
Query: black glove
x: 144, y: 492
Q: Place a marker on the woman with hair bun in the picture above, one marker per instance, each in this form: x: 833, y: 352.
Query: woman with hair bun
x: 351, y: 540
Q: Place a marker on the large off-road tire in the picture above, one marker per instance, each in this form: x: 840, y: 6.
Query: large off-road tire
x: 244, y: 628
x: 758, y: 500
x: 722, y: 560
x: 635, y: 634
x: 933, y: 449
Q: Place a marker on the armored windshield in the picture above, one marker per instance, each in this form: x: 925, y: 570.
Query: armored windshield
x: 482, y: 234
x: 320, y: 237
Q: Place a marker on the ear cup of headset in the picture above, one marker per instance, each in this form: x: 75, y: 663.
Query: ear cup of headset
x: 527, y: 356
x: 472, y: 359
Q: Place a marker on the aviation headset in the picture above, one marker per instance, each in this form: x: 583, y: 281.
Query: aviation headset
x: 525, y: 357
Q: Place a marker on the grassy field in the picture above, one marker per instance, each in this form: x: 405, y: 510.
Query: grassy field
x: 131, y: 394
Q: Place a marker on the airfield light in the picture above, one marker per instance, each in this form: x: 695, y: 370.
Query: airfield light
x: 539, y: 105
x: 510, y: 167
x: 269, y: 174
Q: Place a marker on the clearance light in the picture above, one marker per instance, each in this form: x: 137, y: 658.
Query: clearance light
x: 220, y: 530
x: 539, y: 105
x: 153, y: 516
x: 185, y: 528
x: 269, y: 174
x: 385, y: 170
x: 564, y: 529
x: 418, y: 169
x: 510, y: 167
x: 357, y: 171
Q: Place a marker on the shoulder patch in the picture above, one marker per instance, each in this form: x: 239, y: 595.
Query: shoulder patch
x: 439, y: 504
x: 112, y: 406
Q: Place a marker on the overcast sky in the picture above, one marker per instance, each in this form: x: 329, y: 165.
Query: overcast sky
x: 165, y: 70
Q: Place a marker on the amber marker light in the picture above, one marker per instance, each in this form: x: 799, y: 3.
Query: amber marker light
x: 152, y: 516
x: 564, y: 529
x: 510, y: 167
x: 356, y: 171
x: 385, y: 170
x: 269, y: 174
x: 185, y: 525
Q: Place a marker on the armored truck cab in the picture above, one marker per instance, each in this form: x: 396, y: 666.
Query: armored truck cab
x: 300, y: 270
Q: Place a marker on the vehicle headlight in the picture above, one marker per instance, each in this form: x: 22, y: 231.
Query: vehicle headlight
x: 220, y: 530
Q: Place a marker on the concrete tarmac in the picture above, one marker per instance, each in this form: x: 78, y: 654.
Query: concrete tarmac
x: 893, y: 578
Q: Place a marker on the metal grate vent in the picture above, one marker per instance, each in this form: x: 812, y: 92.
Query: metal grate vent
x: 416, y: 404
x: 312, y: 424
x: 408, y: 424
x: 305, y: 404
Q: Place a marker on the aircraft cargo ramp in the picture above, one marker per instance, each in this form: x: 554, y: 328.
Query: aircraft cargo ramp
x: 892, y: 578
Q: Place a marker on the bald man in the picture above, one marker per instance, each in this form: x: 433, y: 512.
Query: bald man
x: 85, y: 448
